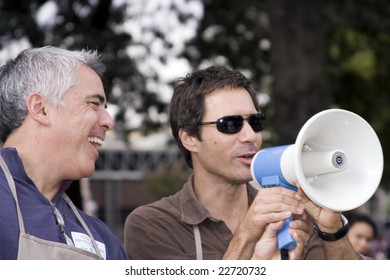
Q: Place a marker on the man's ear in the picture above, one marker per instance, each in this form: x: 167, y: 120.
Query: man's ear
x: 188, y: 141
x: 37, y: 107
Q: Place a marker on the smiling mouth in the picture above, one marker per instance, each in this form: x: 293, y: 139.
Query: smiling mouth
x: 248, y: 156
x: 97, y: 142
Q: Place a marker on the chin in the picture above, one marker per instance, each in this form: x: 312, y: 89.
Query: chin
x: 245, y: 177
x: 87, y: 172
x: 242, y: 180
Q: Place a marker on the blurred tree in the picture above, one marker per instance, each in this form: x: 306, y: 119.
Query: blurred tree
x: 358, y: 63
x: 279, y: 39
x: 86, y: 24
x: 168, y: 179
x: 297, y: 65
x: 317, y: 54
x: 235, y: 33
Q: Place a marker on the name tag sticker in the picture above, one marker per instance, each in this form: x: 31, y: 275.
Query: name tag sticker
x: 84, y: 242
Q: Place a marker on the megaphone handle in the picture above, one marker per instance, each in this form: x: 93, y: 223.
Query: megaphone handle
x: 285, y: 240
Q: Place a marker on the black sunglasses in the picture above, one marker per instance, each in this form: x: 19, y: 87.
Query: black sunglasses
x: 233, y: 124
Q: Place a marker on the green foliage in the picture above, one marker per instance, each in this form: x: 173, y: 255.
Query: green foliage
x: 166, y: 180
x: 357, y: 58
x: 92, y: 25
x: 358, y: 34
x: 231, y: 32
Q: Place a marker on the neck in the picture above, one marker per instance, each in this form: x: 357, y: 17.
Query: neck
x: 224, y: 201
x: 37, y: 166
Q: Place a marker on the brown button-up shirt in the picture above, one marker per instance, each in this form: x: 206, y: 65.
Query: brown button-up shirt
x: 164, y: 229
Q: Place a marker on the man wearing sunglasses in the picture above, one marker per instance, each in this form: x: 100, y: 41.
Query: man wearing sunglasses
x: 216, y: 121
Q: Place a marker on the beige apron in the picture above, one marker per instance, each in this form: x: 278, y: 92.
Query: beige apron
x: 33, y: 248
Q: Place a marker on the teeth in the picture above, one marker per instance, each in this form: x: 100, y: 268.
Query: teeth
x: 96, y: 141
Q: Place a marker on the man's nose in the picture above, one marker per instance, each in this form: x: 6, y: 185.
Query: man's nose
x: 106, y: 121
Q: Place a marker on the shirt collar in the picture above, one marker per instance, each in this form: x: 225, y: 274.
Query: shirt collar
x: 192, y: 211
x: 15, y: 166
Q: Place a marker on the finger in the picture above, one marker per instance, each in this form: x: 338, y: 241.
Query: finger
x: 269, y: 195
x: 300, y: 236
x: 301, y: 193
x: 276, y: 207
x: 272, y: 217
x: 272, y: 229
x: 276, y: 202
x: 300, y: 225
x: 301, y: 239
x: 311, y: 207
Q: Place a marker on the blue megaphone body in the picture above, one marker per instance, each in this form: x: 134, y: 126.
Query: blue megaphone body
x: 266, y: 170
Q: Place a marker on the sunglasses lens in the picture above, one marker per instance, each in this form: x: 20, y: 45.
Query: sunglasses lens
x: 233, y: 124
x: 256, y: 122
x: 230, y: 124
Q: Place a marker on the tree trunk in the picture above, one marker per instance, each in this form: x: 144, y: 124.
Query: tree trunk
x: 297, y: 65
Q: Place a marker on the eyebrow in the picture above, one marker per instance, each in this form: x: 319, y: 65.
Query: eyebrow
x: 101, y: 99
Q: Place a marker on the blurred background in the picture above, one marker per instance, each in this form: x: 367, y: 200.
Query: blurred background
x: 303, y: 56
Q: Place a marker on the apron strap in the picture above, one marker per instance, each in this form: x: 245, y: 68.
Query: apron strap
x: 76, y: 212
x: 11, y: 184
x: 198, y: 242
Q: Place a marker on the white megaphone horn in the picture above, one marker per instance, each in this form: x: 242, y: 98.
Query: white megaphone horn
x: 337, y: 159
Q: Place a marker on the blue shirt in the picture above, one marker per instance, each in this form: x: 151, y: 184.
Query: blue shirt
x: 38, y: 214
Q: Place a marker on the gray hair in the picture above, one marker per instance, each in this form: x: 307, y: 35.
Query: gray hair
x: 49, y: 71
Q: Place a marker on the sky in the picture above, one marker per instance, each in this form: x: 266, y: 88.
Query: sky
x: 157, y: 14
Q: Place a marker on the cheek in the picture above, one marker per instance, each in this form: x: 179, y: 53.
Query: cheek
x: 213, y: 148
x: 213, y: 140
x: 217, y: 143
x: 221, y: 146
x: 259, y: 142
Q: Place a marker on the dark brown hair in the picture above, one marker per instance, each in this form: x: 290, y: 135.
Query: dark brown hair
x: 187, y: 104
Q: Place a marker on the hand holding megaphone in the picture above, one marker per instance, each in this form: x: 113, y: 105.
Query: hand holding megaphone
x: 337, y: 159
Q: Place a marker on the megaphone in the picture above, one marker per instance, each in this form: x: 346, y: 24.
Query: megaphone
x: 337, y: 159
